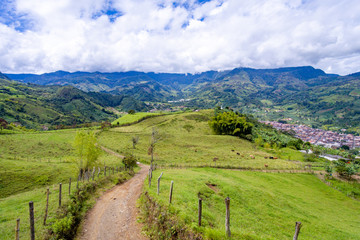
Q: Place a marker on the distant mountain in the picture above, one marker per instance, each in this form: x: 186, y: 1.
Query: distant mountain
x: 305, y: 94
x: 35, y: 105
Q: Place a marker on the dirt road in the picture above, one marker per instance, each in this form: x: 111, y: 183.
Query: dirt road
x: 114, y: 214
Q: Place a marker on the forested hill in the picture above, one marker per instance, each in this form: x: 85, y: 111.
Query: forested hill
x: 302, y: 94
x: 35, y: 106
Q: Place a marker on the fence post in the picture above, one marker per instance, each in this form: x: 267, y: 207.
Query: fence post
x: 200, y: 211
x: 98, y: 172
x: 93, y: 173
x: 149, y: 177
x: 60, y: 186
x: 171, y: 191
x: 105, y: 171
x: 297, y: 230
x: 158, y: 185
x: 47, y: 205
x: 32, y: 223
x: 69, y: 186
x: 17, y: 229
x: 227, y: 219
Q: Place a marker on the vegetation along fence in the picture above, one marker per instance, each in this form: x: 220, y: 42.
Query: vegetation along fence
x: 72, y: 192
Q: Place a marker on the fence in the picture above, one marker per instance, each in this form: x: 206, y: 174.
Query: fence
x: 65, y: 192
x: 298, y: 225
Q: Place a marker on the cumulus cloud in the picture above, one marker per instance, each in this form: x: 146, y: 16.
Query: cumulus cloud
x: 178, y: 36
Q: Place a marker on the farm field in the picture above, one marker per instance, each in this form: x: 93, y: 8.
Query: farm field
x: 262, y: 205
x: 187, y: 140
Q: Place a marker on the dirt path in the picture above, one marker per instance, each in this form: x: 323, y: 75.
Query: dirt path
x: 114, y: 214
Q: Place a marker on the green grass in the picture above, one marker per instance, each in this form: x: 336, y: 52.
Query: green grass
x: 263, y: 205
x: 31, y: 160
x: 17, y: 206
x: 190, y: 146
x: 131, y: 118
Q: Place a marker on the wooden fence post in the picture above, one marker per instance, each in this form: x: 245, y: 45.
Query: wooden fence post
x: 98, y: 172
x: 171, y: 191
x: 227, y: 219
x: 69, y: 186
x: 150, y: 173
x: 60, y: 186
x: 17, y: 229
x: 158, y: 185
x: 93, y: 173
x: 200, y: 211
x: 105, y: 171
x: 297, y: 230
x: 32, y: 222
x: 47, y: 205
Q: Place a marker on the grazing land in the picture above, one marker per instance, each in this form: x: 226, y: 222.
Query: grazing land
x: 132, y: 118
x: 262, y: 205
x: 31, y: 162
x: 187, y: 140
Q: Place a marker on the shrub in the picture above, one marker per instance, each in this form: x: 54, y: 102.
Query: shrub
x: 129, y: 161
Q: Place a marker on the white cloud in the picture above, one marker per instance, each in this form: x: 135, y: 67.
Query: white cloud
x: 157, y: 35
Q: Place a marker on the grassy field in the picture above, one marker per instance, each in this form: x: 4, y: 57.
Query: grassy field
x: 263, y: 205
x: 31, y: 160
x: 130, y: 118
x: 187, y: 140
x: 29, y: 163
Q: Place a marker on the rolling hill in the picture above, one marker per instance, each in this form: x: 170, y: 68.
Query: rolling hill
x: 302, y: 94
x: 35, y: 105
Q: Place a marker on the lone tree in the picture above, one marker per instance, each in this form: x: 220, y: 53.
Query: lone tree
x: 87, y: 150
x: 155, y: 137
x: 135, y: 140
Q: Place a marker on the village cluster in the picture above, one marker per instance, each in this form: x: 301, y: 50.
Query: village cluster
x: 318, y: 136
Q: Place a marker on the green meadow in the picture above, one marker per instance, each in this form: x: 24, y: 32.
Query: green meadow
x: 187, y: 140
x: 262, y: 205
x: 29, y: 163
x: 131, y: 118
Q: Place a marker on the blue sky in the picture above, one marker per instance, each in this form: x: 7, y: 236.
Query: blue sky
x: 187, y: 36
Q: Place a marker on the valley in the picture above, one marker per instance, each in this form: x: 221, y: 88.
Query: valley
x: 303, y: 94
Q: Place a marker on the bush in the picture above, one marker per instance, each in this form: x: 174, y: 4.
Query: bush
x: 346, y: 169
x: 129, y: 161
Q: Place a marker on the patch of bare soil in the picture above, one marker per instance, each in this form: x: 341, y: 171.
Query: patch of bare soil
x: 114, y: 214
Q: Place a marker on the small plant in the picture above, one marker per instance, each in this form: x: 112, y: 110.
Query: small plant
x: 329, y: 169
x: 135, y: 140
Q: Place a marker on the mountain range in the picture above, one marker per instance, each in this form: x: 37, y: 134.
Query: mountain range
x: 299, y: 94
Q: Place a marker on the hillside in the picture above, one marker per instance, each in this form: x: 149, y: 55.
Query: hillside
x: 304, y: 94
x: 35, y: 105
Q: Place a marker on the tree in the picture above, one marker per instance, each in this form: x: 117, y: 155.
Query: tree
x: 135, y: 140
x: 131, y: 111
x: 155, y: 137
x: 230, y: 123
x: 87, y: 150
